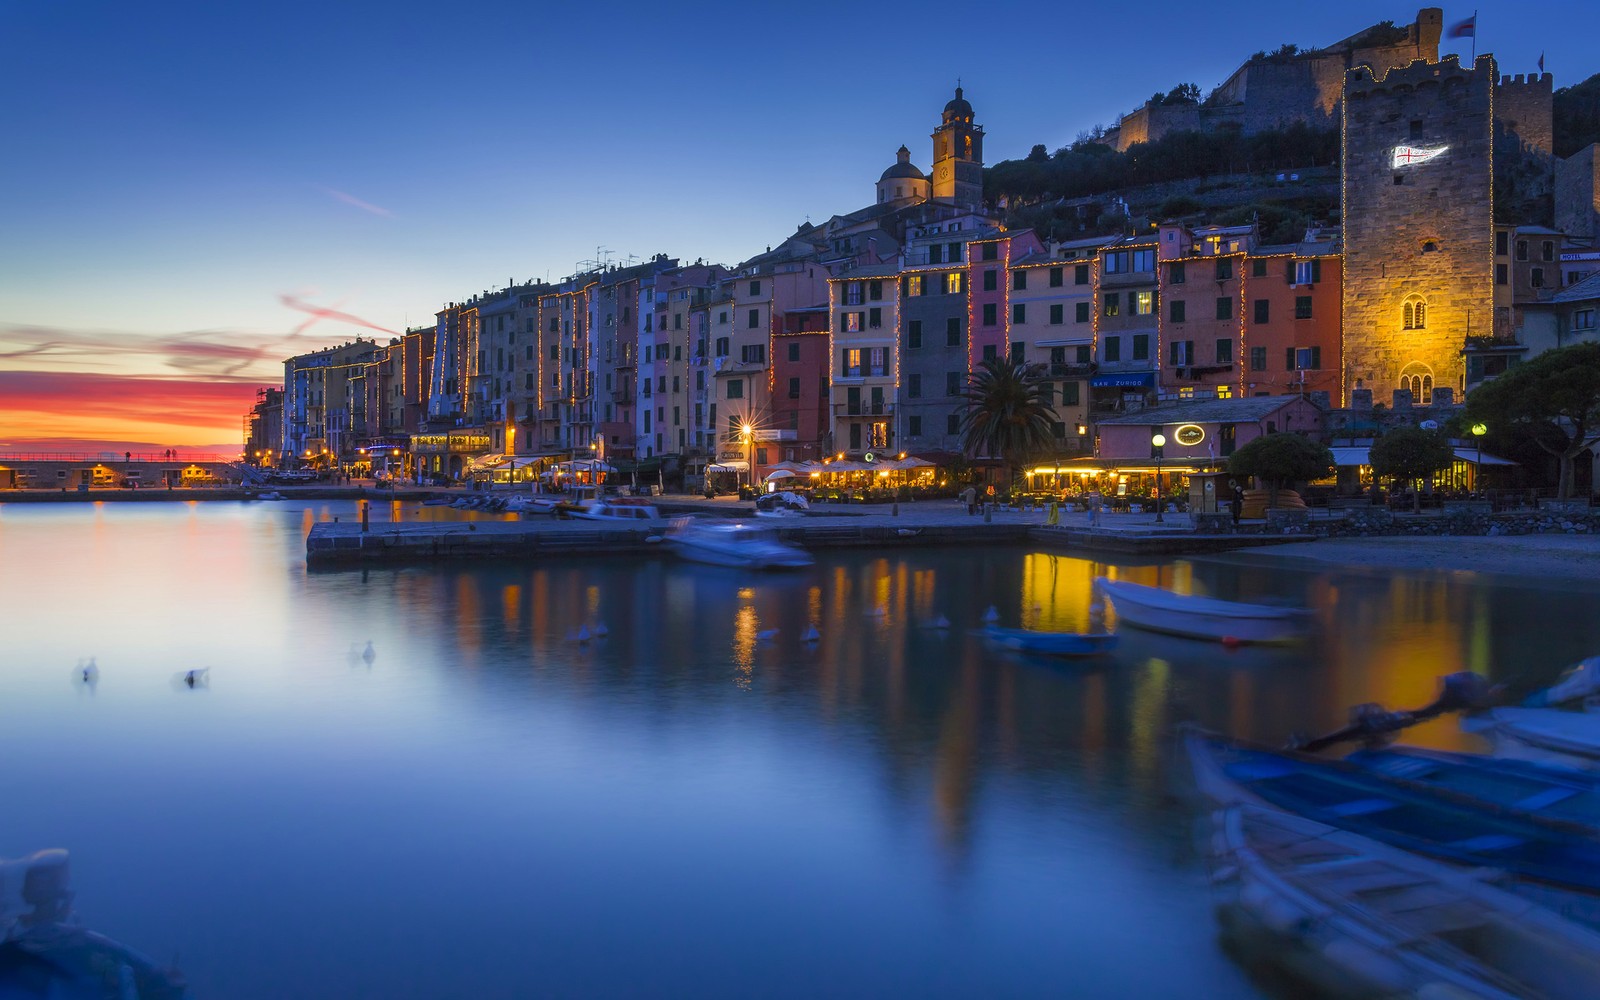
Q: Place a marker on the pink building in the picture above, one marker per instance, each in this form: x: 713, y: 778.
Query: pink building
x: 1200, y: 433
x: 989, y: 289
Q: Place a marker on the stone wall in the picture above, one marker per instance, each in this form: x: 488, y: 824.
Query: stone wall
x: 1431, y: 234
x: 1378, y: 521
x: 1578, y: 193
x: 1525, y: 112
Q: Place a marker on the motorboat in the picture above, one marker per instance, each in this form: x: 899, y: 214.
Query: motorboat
x: 1456, y: 829
x: 1052, y: 643
x: 1203, y: 617
x: 1356, y: 918
x: 783, y: 504
x: 734, y: 543
x: 46, y: 952
x: 269, y: 495
x: 616, y: 509
x: 1578, y: 685
x: 1546, y: 735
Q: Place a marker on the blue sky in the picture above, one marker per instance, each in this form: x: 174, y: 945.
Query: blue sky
x: 179, y: 168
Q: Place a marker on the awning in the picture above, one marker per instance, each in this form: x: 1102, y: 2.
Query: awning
x: 782, y: 474
x: 1470, y: 456
x: 484, y: 462
x: 1124, y: 380
x: 735, y: 466
x: 1351, y: 456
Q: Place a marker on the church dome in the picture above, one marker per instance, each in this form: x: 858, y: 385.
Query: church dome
x: 958, y: 108
x: 902, y: 167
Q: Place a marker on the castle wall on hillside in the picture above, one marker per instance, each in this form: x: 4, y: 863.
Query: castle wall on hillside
x: 1272, y: 93
x: 1578, y: 193
x: 1417, y: 234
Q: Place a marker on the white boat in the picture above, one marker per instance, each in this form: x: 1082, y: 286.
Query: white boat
x: 734, y: 543
x: 617, y: 509
x: 784, y: 504
x: 1202, y: 617
x: 1543, y: 735
x: 1356, y: 918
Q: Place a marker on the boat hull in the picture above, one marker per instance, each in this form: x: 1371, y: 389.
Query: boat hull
x: 1156, y: 610
x: 1053, y: 643
x: 1546, y: 736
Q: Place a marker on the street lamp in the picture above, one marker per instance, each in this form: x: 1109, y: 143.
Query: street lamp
x: 1478, y: 431
x: 1158, y: 441
x: 747, y: 432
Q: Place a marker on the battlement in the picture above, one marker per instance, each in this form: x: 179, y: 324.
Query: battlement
x: 1545, y: 81
x: 1361, y: 82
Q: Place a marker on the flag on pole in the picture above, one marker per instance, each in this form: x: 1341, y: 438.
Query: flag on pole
x: 1465, y: 29
x: 1541, y: 62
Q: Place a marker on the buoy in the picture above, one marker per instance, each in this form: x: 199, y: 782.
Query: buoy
x: 992, y: 615
x: 810, y: 634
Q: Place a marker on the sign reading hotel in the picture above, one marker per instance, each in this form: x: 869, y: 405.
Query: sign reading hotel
x: 1189, y: 435
x: 1410, y: 156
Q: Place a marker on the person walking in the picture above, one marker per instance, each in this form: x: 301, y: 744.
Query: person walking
x: 970, y: 495
x: 1238, y: 503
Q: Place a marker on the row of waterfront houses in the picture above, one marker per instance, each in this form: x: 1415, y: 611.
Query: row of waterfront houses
x: 858, y: 335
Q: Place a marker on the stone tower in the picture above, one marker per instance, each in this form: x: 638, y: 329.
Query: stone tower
x: 1417, y: 202
x: 958, y: 155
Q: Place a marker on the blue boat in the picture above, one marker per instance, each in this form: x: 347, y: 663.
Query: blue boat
x: 1451, y: 828
x: 1540, y: 790
x: 1053, y: 643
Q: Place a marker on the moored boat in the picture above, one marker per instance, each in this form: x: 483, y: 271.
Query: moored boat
x: 1557, y: 793
x: 616, y: 509
x: 1358, y: 919
x: 45, y: 952
x: 734, y: 543
x: 1449, y: 828
x: 1052, y: 643
x: 1545, y: 735
x: 783, y: 504
x: 1202, y: 617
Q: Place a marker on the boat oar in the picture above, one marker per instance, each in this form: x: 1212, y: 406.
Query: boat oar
x: 1372, y: 723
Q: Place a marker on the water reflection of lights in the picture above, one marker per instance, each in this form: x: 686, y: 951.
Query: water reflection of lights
x: 745, y: 625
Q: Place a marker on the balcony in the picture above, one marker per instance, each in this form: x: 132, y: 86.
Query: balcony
x: 865, y: 408
x: 1072, y: 370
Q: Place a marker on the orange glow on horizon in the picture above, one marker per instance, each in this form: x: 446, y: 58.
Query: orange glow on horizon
x: 60, y: 408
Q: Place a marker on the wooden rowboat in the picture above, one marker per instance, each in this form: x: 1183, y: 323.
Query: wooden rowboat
x: 1358, y: 919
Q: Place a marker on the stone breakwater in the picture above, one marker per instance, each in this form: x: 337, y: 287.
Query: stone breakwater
x: 1377, y: 521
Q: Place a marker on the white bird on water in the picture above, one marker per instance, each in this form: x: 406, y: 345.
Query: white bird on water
x: 941, y: 622
x: 369, y: 654
x: 197, y: 678
x: 992, y: 615
x: 88, y: 673
x: 878, y: 612
x: 582, y: 634
x: 811, y: 634
x: 600, y: 630
x: 767, y: 635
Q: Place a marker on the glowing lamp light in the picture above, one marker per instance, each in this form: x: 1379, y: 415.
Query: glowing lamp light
x: 1479, y: 430
x: 1159, y: 440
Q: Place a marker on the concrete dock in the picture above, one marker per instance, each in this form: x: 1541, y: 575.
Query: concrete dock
x: 332, y: 545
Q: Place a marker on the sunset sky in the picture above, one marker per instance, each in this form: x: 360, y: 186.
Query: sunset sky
x: 194, y: 191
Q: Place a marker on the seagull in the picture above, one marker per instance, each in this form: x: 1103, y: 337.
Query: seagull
x: 197, y: 677
x: 810, y: 634
x: 992, y: 615
x: 583, y: 634
x: 907, y: 532
x: 767, y: 636
x: 88, y: 672
x: 369, y: 654
x: 600, y: 630
x: 941, y: 622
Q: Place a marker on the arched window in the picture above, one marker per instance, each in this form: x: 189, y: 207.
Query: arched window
x: 1418, y: 380
x: 1414, y: 314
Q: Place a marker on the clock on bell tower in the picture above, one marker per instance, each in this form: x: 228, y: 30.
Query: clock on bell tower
x: 958, y: 155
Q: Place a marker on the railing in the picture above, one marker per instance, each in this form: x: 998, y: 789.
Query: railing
x: 1072, y: 370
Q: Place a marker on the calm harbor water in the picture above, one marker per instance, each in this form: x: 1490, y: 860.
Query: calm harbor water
x: 491, y: 809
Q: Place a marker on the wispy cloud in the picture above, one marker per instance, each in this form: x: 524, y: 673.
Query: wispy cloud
x: 318, y: 313
x: 352, y: 200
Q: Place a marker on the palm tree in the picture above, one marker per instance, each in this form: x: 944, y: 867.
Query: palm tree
x: 1009, y: 413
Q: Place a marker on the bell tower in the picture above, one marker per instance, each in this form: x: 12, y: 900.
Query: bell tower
x: 958, y: 155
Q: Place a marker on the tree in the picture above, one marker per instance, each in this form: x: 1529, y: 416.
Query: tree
x: 1411, y: 454
x: 1555, y: 398
x: 1281, y: 459
x: 1008, y: 412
